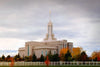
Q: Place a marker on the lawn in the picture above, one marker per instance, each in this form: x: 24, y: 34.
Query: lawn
x: 51, y: 66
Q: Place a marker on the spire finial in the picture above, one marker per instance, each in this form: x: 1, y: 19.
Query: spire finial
x: 49, y: 15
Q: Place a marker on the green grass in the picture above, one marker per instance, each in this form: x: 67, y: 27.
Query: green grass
x: 51, y: 66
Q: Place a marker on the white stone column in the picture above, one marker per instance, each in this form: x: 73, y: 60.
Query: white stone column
x: 26, y: 49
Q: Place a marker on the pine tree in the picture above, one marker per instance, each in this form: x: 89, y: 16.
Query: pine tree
x: 42, y: 58
x: 50, y: 56
x: 8, y: 56
x: 68, y: 56
x: 55, y: 57
x: 34, y: 58
x: 3, y: 57
x: 18, y: 56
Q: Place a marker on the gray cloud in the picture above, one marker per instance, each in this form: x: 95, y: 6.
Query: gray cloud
x: 77, y: 20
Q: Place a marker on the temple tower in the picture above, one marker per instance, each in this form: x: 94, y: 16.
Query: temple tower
x: 50, y: 35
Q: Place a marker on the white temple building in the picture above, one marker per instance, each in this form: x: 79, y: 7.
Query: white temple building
x: 50, y: 43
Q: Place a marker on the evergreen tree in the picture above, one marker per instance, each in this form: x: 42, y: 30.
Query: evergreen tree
x: 95, y: 59
x: 23, y: 58
x: 3, y: 57
x: 26, y: 58
x: 42, y: 58
x: 50, y: 56
x: 55, y: 57
x: 15, y: 57
x: 8, y: 56
x: 68, y: 56
x: 34, y: 58
x: 18, y: 56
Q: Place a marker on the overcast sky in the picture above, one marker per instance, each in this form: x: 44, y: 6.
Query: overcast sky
x: 77, y: 21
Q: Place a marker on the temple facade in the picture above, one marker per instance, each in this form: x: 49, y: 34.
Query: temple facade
x: 50, y: 43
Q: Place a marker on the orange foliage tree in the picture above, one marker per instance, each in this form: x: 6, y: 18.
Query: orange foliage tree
x: 96, y: 55
x: 74, y: 52
x: 62, y: 53
x: 12, y: 61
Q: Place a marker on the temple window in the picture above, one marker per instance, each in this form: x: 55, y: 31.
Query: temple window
x: 46, y: 53
x: 42, y: 52
x: 54, y: 52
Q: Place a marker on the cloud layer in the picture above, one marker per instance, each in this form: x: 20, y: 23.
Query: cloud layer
x: 75, y: 20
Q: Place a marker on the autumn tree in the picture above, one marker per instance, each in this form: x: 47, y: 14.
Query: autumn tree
x: 62, y: 53
x: 30, y: 58
x: 96, y: 56
x: 84, y: 56
x: 62, y: 57
x: 77, y: 57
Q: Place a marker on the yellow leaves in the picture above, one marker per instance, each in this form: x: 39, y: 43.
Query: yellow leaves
x: 63, y: 51
x: 74, y: 52
x: 95, y: 54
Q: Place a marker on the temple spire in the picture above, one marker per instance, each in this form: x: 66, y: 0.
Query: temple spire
x: 50, y: 35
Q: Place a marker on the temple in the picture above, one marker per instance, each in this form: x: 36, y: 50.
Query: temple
x: 50, y: 43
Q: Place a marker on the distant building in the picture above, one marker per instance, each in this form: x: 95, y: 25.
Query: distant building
x: 50, y: 43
